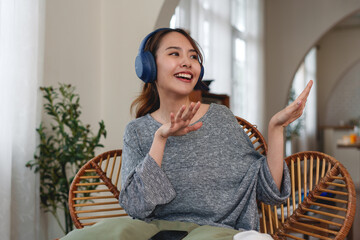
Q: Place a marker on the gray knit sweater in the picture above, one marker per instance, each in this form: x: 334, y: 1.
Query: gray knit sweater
x: 212, y: 176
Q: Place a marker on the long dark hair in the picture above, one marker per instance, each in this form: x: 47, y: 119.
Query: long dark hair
x: 148, y: 101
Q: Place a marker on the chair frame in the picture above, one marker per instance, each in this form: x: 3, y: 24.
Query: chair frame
x: 324, y: 180
x: 82, y: 178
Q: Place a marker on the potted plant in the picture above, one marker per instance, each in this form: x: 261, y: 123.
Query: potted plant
x: 66, y: 144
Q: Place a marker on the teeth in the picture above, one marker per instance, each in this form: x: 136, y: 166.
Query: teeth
x: 183, y: 75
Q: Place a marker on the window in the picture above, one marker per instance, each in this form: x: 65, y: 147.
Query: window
x: 229, y: 33
x: 306, y: 131
x: 239, y: 76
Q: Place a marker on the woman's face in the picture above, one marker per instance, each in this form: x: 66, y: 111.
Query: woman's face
x: 178, y: 68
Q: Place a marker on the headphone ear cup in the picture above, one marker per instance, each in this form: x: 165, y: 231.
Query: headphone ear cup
x: 200, y: 85
x: 145, y: 67
x: 201, y: 73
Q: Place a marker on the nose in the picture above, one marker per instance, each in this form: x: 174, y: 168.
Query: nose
x: 186, y: 62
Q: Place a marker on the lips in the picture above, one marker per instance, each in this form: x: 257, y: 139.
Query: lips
x: 186, y: 77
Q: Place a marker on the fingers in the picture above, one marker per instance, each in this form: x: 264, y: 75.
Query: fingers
x: 299, y: 103
x: 180, y: 112
x: 194, y: 127
x: 180, y: 123
x: 295, y: 109
x: 194, y: 109
x: 305, y: 93
x: 189, y: 112
x: 172, y: 120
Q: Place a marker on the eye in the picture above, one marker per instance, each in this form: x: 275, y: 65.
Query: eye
x: 194, y: 57
x: 174, y: 54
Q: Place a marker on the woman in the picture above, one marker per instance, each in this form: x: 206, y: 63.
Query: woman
x: 189, y: 166
x: 192, y: 162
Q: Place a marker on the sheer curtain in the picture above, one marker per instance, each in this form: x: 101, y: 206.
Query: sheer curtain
x: 248, y: 75
x: 21, y: 41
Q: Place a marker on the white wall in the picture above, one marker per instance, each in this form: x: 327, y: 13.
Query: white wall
x: 344, y: 99
x: 339, y: 75
x: 72, y: 50
x: 292, y: 28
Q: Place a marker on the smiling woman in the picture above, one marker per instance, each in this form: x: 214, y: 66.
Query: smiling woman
x: 177, y: 64
x: 176, y: 152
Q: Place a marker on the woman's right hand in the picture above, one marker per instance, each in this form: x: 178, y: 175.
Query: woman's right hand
x: 180, y: 123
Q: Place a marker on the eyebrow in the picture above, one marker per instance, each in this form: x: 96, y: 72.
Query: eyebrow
x: 179, y: 48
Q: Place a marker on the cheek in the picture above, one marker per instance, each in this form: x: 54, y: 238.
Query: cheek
x: 163, y: 74
x: 164, y: 67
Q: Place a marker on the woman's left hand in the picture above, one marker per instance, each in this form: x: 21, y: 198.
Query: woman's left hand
x: 292, y: 111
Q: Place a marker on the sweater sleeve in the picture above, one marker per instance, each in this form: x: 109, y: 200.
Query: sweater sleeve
x: 144, y: 183
x: 267, y: 191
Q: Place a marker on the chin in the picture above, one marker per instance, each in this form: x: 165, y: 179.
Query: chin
x: 181, y: 91
x: 179, y: 88
x: 185, y: 90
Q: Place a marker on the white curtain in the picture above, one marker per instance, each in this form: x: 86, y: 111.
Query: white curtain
x: 21, y: 41
x: 254, y: 78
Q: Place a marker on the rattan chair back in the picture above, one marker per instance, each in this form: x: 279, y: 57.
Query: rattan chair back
x: 94, y: 192
x: 254, y: 134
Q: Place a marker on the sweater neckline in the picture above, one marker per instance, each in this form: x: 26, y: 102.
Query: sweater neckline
x: 203, y: 117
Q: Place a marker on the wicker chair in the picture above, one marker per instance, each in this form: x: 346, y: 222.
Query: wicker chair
x: 322, y: 201
x: 321, y: 205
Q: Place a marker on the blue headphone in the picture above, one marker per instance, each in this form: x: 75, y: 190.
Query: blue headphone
x: 145, y: 65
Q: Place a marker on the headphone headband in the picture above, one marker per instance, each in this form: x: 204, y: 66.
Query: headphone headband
x: 144, y: 41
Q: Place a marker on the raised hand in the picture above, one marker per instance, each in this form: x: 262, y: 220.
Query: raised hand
x: 294, y: 110
x: 180, y: 123
x: 277, y: 123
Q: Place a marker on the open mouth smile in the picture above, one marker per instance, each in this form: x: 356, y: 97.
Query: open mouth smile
x: 185, y: 77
